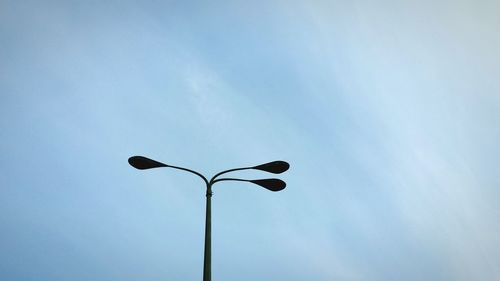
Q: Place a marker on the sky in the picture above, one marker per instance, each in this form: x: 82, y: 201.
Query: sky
x: 387, y: 111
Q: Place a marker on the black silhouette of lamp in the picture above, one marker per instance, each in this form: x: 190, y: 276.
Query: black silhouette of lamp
x: 273, y: 184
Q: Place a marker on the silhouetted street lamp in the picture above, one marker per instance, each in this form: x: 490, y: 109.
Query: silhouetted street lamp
x: 276, y: 167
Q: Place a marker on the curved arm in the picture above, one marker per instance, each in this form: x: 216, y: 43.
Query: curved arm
x: 227, y: 179
x: 213, y: 179
x: 191, y: 171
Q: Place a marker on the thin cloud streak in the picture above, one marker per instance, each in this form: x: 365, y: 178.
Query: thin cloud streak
x: 386, y: 111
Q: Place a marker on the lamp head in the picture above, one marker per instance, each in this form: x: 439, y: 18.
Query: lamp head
x: 270, y: 184
x: 275, y: 167
x: 143, y: 163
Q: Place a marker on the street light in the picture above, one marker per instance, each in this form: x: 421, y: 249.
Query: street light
x: 275, y: 167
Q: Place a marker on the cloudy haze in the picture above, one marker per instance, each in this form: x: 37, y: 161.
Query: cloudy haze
x: 388, y: 112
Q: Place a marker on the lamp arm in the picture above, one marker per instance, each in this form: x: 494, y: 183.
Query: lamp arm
x: 191, y: 171
x: 229, y: 179
x: 213, y: 179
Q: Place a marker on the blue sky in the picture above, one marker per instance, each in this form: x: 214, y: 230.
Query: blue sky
x: 387, y: 111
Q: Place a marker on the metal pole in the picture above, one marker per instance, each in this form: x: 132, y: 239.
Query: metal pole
x: 207, y: 265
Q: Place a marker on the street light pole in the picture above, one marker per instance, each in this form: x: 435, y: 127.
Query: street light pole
x: 275, y: 167
x: 207, y: 259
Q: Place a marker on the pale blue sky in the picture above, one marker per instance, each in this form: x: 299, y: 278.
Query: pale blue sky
x: 388, y: 112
